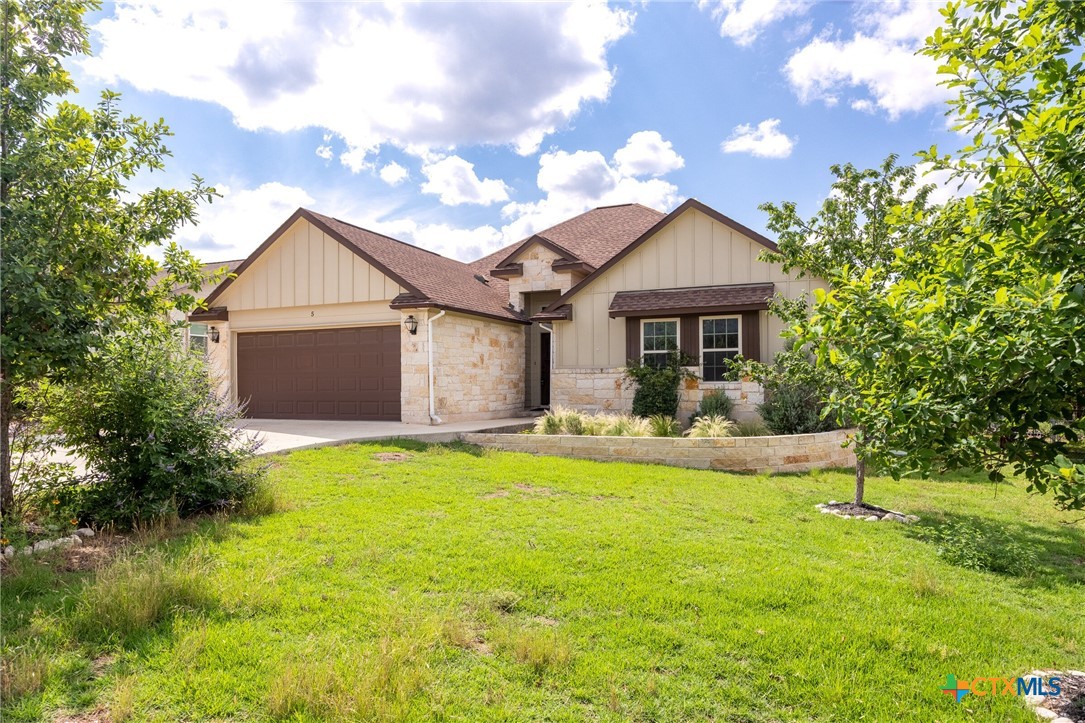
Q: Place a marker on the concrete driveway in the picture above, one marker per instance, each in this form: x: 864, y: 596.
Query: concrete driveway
x: 281, y: 435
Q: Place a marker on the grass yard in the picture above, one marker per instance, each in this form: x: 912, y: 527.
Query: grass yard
x: 465, y: 585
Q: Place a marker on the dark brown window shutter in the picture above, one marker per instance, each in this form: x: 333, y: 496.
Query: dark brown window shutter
x: 751, y: 335
x: 689, y: 338
x: 632, y: 338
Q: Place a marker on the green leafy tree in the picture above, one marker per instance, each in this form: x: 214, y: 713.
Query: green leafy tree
x: 960, y: 348
x: 73, y: 261
x: 869, y: 218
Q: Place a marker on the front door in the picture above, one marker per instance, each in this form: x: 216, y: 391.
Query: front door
x: 544, y: 369
x: 537, y: 359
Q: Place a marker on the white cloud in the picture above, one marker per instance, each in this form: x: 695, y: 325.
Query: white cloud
x: 393, y: 174
x: 743, y: 20
x: 647, y: 154
x: 455, y: 181
x: 419, y: 75
x: 764, y: 141
x: 946, y: 185
x: 324, y: 151
x: 234, y: 225
x: 575, y: 182
x: 464, y: 244
x: 879, y: 61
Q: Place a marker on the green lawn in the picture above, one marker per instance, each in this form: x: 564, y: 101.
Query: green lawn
x: 467, y: 585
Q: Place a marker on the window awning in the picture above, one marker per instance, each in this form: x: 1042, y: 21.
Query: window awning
x: 692, y: 300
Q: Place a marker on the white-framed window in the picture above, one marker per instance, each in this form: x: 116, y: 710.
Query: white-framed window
x: 197, y: 337
x: 658, y: 338
x: 720, y: 342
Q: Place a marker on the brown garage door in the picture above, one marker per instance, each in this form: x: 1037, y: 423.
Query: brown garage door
x: 320, y: 374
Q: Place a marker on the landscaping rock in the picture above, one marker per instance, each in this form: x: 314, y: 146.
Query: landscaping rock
x: 85, y: 532
x: 1045, y: 713
x: 9, y: 552
x: 76, y: 540
x: 1062, y: 719
x: 43, y: 546
x: 912, y: 518
x: 872, y: 518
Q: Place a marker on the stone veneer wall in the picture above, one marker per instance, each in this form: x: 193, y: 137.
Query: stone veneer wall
x: 480, y: 369
x: 539, y: 275
x: 218, y: 356
x: 785, y: 453
x: 604, y: 390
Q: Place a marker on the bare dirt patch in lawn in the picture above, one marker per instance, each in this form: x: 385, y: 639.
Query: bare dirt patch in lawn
x: 544, y: 491
x: 93, y: 554
x: 391, y: 456
x: 495, y: 494
x: 97, y: 716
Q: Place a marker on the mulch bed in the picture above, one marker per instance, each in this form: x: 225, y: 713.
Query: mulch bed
x: 1070, y: 702
x: 863, y: 510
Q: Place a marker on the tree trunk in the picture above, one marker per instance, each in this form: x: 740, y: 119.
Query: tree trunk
x: 860, y: 479
x: 7, y: 491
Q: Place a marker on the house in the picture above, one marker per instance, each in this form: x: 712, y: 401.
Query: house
x: 194, y: 335
x: 326, y: 320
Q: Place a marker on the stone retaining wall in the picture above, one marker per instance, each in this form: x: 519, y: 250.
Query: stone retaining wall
x: 784, y: 453
x: 604, y: 390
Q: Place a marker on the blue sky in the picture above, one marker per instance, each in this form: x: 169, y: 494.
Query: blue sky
x: 465, y: 127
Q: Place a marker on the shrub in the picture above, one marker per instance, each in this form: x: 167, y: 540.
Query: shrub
x: 657, y: 385
x: 626, y: 426
x: 712, y: 427
x: 793, y: 409
x: 966, y: 545
x: 160, y: 439
x: 795, y: 393
x: 715, y: 403
x: 751, y: 428
x: 661, y: 425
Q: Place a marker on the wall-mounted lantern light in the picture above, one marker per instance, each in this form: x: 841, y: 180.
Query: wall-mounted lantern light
x: 214, y: 334
x: 411, y: 324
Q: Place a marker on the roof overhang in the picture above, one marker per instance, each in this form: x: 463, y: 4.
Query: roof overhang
x: 508, y: 271
x: 409, y: 301
x: 692, y: 300
x: 216, y: 313
x: 562, y: 313
x: 577, y: 267
x: 541, y: 241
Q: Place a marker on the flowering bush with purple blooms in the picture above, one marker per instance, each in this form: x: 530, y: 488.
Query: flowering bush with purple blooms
x: 159, y: 438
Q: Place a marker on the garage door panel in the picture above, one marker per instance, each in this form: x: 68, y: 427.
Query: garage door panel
x: 320, y: 374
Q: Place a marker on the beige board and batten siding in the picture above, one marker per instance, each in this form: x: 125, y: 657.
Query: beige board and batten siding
x: 305, y: 279
x: 306, y: 267
x: 693, y: 250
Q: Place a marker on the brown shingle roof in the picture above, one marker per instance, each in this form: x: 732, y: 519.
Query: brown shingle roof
x: 594, y: 236
x: 700, y: 299
x: 430, y: 279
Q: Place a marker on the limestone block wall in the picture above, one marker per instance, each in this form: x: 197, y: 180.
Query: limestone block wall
x: 479, y: 369
x: 604, y: 390
x: 218, y: 357
x: 785, y: 453
x: 539, y: 275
